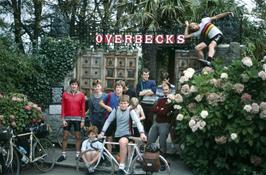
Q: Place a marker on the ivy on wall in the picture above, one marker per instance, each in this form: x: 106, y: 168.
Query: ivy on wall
x: 34, y: 75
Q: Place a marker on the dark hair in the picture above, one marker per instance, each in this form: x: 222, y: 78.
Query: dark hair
x: 92, y: 129
x: 165, y: 75
x: 119, y: 83
x: 146, y: 70
x: 96, y: 82
x: 74, y: 80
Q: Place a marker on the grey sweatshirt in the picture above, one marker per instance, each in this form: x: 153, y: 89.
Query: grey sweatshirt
x: 123, y: 122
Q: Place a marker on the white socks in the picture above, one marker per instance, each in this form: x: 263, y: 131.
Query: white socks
x: 122, y: 166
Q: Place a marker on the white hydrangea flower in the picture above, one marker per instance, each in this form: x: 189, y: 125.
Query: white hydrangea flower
x: 193, y: 89
x: 189, y: 72
x: 178, y: 98
x: 177, y: 107
x: 171, y: 96
x: 263, y: 114
x: 264, y: 67
x: 191, y: 123
x: 224, y: 76
x: 179, y: 117
x: 202, y: 124
x: 168, y: 101
x: 185, y: 89
x: 198, y: 98
x: 183, y: 79
x: 234, y: 136
x: 262, y: 75
x: 255, y: 108
x: 247, y: 61
x: 263, y: 59
x: 204, y: 114
x: 194, y: 128
x: 247, y: 108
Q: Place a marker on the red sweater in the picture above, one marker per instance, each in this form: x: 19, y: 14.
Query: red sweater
x: 73, y: 106
x: 161, y: 108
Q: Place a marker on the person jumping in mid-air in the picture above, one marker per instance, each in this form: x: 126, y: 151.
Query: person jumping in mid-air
x: 210, y: 36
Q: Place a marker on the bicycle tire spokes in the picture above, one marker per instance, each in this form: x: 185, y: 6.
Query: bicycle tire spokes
x: 43, y: 155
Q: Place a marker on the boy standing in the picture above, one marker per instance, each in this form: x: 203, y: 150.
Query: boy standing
x: 72, y: 114
x: 122, y: 116
x: 147, y: 88
x: 109, y: 102
x: 97, y: 113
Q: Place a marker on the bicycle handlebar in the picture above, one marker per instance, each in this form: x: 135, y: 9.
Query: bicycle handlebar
x: 96, y: 140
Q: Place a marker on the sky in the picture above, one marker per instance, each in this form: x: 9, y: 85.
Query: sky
x: 249, y: 4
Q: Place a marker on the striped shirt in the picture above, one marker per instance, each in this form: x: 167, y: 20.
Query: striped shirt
x: 207, y: 29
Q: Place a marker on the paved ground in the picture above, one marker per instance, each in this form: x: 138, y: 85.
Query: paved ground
x: 68, y: 167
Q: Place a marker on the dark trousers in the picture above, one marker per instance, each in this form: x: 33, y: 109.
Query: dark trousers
x: 149, y: 116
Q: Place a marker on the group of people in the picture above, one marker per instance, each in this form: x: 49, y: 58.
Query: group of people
x: 125, y: 112
x: 118, y: 115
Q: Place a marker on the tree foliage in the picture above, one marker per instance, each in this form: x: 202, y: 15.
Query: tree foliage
x: 35, y: 75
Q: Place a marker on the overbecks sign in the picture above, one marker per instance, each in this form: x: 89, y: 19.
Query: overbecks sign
x: 139, y: 39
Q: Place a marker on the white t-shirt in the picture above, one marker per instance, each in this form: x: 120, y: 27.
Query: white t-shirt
x: 138, y: 111
x: 86, y: 145
x: 212, y: 33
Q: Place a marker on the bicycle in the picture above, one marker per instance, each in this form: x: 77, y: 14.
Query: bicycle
x: 10, y: 163
x: 107, y: 162
x: 41, y: 150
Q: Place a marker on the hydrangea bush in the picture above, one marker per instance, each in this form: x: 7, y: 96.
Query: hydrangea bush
x: 18, y: 112
x: 221, y: 118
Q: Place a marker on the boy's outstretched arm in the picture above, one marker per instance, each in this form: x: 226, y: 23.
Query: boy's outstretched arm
x: 186, y: 34
x: 221, y: 15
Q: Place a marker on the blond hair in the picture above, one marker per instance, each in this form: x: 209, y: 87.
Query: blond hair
x: 134, y: 102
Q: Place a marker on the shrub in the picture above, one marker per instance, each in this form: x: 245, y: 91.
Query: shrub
x: 222, y: 121
x: 18, y: 112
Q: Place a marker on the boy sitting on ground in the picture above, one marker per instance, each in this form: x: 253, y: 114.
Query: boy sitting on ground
x: 123, y: 115
x: 91, y: 157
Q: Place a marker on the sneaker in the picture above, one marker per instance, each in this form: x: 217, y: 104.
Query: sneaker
x: 79, y: 159
x: 205, y: 62
x: 120, y: 172
x: 61, y: 158
x: 91, y: 170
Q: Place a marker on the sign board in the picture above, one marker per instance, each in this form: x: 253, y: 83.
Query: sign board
x: 55, y: 109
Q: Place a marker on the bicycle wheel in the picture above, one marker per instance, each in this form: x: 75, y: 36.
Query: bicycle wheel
x: 136, y: 167
x: 59, y: 136
x: 43, y: 155
x: 9, y: 167
x: 104, y: 164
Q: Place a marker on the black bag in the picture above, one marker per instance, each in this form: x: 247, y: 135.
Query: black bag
x: 42, y: 130
x: 151, y: 161
x: 5, y: 134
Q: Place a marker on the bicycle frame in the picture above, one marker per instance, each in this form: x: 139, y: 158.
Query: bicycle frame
x: 135, y: 150
x: 33, y: 137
